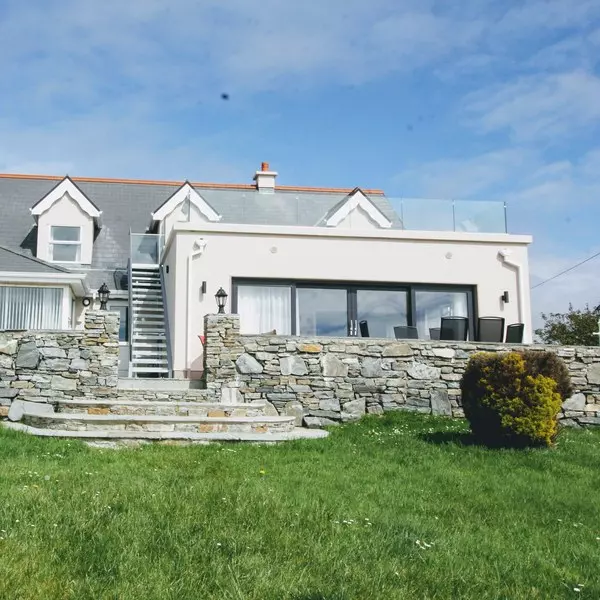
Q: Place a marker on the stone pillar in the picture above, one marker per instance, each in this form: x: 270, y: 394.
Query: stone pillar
x: 101, y: 343
x: 222, y: 348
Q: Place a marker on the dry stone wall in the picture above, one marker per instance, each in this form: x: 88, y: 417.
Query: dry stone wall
x: 322, y: 381
x: 42, y: 366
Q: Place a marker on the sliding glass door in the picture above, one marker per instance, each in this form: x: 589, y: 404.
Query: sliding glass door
x: 379, y: 311
x: 339, y: 310
x: 432, y: 305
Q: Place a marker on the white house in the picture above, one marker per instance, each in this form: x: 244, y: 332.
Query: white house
x: 297, y: 260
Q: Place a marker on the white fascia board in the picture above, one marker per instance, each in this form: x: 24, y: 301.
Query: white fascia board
x: 66, y: 186
x: 358, y: 200
x: 180, y: 196
x: 75, y: 280
x: 376, y: 234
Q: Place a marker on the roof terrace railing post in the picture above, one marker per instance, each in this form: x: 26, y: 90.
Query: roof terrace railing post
x: 402, y: 213
x: 453, y: 215
x: 505, y: 219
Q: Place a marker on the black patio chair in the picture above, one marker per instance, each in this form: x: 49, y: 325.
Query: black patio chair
x: 490, y: 329
x: 406, y: 332
x: 364, y: 328
x: 454, y: 329
x: 514, y: 333
x: 434, y: 333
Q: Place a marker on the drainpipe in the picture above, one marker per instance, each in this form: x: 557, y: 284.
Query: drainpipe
x: 504, y: 254
x: 197, y: 250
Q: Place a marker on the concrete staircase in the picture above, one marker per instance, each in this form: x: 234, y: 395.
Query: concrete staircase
x: 148, y: 333
x: 176, y: 413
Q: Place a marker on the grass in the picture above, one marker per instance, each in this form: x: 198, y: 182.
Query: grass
x: 396, y: 507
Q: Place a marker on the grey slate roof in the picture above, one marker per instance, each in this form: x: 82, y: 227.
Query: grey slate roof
x: 128, y: 206
x: 12, y: 261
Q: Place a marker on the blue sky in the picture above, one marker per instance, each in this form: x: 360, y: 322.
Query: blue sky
x: 472, y: 99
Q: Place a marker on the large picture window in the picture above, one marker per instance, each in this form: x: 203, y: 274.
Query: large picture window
x: 65, y: 244
x: 30, y: 308
x: 353, y: 309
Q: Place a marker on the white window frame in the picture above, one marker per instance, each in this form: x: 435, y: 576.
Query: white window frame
x: 54, y: 242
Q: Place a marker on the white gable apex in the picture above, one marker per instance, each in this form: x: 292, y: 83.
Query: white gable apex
x: 358, y: 201
x: 66, y: 186
x: 186, y: 193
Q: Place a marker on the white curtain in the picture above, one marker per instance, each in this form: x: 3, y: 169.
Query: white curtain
x: 30, y: 308
x: 265, y: 308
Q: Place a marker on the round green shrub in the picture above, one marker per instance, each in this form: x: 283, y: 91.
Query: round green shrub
x: 549, y: 365
x: 507, y: 404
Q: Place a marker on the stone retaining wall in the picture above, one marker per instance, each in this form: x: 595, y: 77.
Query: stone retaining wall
x: 41, y: 366
x: 327, y: 380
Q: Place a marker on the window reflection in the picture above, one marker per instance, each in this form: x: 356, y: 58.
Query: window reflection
x: 322, y: 311
x: 431, y: 306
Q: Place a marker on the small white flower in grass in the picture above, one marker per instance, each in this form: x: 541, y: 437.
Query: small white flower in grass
x: 576, y: 589
x: 46, y: 477
x: 218, y: 544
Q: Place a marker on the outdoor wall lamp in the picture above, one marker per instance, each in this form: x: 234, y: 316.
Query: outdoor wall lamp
x: 221, y: 298
x: 505, y: 297
x: 203, y: 288
x: 103, y: 295
x: 86, y: 302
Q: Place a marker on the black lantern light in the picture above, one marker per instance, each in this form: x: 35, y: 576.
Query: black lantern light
x: 221, y: 298
x: 103, y: 296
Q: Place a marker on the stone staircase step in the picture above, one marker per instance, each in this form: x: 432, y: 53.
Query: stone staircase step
x: 162, y: 423
x: 298, y: 433
x: 191, y: 408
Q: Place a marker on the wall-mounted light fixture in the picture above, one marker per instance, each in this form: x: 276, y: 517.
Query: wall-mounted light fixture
x: 103, y: 295
x: 203, y: 287
x: 505, y: 297
x: 221, y: 298
x: 86, y: 302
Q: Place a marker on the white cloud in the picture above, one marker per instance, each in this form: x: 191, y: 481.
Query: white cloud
x: 538, y: 107
x: 475, y: 176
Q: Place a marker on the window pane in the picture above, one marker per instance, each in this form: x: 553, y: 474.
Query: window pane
x: 65, y: 234
x: 265, y: 308
x: 431, y: 306
x: 65, y: 252
x: 383, y: 310
x: 30, y: 308
x: 123, y: 321
x: 322, y: 311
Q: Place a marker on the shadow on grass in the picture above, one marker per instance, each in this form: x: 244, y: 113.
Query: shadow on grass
x: 460, y: 438
x: 318, y: 596
x: 466, y: 439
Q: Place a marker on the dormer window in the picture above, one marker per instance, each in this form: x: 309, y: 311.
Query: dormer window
x: 65, y: 244
x: 66, y: 224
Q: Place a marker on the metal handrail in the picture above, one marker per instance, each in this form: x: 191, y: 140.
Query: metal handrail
x: 167, y: 326
x: 130, y: 313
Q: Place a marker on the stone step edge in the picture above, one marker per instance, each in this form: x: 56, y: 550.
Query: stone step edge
x: 158, y: 403
x: 87, y: 418
x: 299, y: 433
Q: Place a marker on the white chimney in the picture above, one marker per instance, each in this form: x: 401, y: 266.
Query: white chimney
x: 265, y: 179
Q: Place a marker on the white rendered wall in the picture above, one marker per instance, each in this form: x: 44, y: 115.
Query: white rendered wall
x: 335, y: 255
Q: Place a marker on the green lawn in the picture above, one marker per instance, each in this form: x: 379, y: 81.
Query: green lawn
x: 394, y: 507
